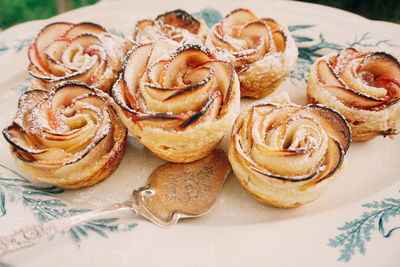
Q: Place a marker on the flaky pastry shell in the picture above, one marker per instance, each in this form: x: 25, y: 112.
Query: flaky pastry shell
x: 178, y: 101
x: 69, y: 137
x: 84, y: 52
x: 362, y: 85
x: 177, y: 25
x: 285, y: 155
x: 262, y: 50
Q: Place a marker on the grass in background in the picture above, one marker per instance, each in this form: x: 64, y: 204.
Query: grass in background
x: 388, y: 10
x: 16, y: 11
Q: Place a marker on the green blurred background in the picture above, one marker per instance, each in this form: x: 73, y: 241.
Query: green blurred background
x: 16, y: 11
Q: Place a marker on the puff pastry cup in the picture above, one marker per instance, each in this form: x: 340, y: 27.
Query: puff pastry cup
x: 285, y: 155
x: 177, y: 25
x: 178, y: 101
x: 261, y: 49
x: 83, y: 52
x: 69, y: 137
x: 364, y: 86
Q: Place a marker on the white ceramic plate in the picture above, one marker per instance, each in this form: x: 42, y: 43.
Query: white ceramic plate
x: 354, y: 222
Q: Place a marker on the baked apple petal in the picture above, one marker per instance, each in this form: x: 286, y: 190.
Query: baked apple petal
x: 273, y: 25
x: 221, y: 42
x: 239, y: 17
x: 180, y: 19
x: 353, y: 98
x: 326, y: 74
x: 334, y: 123
x: 262, y: 51
x: 71, y: 137
x: 343, y: 58
x: 208, y: 112
x: 16, y: 136
x: 381, y: 64
x: 256, y: 32
x: 200, y: 83
x: 283, y: 154
x: 224, y: 71
x: 186, y: 56
x: 64, y: 51
x: 50, y: 33
x: 136, y: 59
x: 35, y: 59
x: 279, y: 40
x: 367, y: 94
x: 177, y: 98
x: 84, y: 27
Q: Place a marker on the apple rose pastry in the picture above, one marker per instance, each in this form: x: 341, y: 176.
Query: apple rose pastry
x: 261, y: 50
x: 177, y: 25
x: 179, y: 102
x: 363, y: 86
x: 285, y: 155
x: 83, y: 52
x: 69, y: 137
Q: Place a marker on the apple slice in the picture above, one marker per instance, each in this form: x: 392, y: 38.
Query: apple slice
x: 344, y: 57
x: 135, y: 63
x: 17, y: 137
x: 84, y: 27
x: 180, y: 19
x: 179, y: 99
x: 247, y: 160
x: 85, y: 40
x: 225, y: 75
x: 187, y: 56
x: 362, y: 82
x: 53, y: 57
x: 207, y: 112
x: 165, y: 121
x: 326, y: 75
x: 332, y: 122
x: 393, y: 88
x: 279, y: 40
x: 381, y: 64
x: 273, y: 25
x: 219, y: 41
x: 46, y: 36
x: 239, y: 16
x: 30, y: 98
x: 66, y: 92
x: 196, y: 80
x: 333, y: 160
x: 354, y: 98
x: 142, y: 24
x: 256, y: 32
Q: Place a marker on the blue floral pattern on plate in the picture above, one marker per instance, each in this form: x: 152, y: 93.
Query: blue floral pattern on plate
x: 43, y: 202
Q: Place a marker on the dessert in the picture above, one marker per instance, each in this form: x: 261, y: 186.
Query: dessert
x: 179, y: 101
x: 364, y: 86
x: 177, y: 25
x: 261, y: 50
x: 69, y: 137
x: 83, y: 52
x: 285, y: 155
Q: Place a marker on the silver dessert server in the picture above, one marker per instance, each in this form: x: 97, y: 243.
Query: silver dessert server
x: 173, y: 191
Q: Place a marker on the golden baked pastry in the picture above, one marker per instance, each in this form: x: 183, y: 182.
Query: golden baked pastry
x: 178, y: 101
x: 69, y: 137
x: 364, y: 86
x: 261, y: 49
x: 285, y: 155
x: 177, y: 25
x: 83, y: 52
